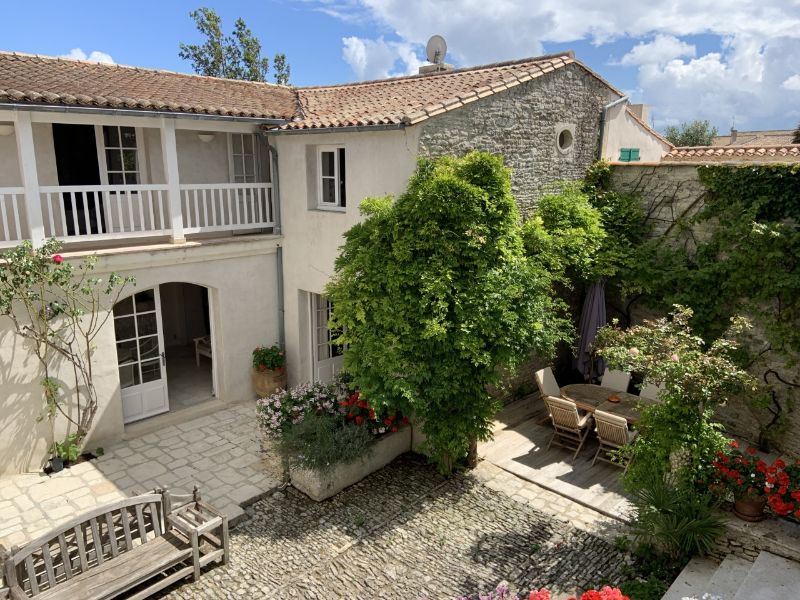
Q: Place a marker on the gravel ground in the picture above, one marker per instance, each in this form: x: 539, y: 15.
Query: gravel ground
x: 404, y: 532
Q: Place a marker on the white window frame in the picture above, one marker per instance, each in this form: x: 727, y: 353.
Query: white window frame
x: 337, y: 205
x: 100, y: 142
x: 237, y: 139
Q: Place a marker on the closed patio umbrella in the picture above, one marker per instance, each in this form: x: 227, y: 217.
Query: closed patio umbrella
x: 593, y: 317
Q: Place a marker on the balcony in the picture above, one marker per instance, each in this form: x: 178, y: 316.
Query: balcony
x: 106, y: 213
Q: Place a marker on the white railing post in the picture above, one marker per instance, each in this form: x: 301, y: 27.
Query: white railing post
x: 30, y: 177
x: 169, y: 151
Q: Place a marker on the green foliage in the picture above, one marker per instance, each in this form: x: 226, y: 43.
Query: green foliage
x: 696, y: 379
x: 236, y: 56
x: 796, y: 135
x: 69, y: 449
x: 675, y: 519
x: 322, y: 440
x: 59, y: 308
x: 650, y: 574
x: 747, y: 251
x: 268, y: 357
x: 433, y: 295
x: 695, y: 133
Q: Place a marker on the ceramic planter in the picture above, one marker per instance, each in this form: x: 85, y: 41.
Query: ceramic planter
x: 56, y: 464
x: 268, y: 381
x: 319, y: 485
x: 750, y: 509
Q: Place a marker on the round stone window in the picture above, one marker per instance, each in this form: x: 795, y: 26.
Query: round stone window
x: 565, y: 140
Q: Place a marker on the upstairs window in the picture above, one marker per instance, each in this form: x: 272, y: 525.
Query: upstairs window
x: 628, y: 154
x: 121, y: 154
x: 244, y: 157
x: 332, y: 186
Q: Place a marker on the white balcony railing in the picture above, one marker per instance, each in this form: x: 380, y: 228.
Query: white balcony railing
x: 12, y: 230
x: 226, y: 206
x: 97, y: 212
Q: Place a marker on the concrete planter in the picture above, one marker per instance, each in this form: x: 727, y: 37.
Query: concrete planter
x: 268, y: 381
x: 319, y: 485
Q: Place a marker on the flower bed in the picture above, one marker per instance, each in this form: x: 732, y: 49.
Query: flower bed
x: 502, y: 593
x: 329, y: 436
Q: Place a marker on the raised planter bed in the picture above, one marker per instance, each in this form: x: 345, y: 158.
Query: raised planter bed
x: 319, y: 485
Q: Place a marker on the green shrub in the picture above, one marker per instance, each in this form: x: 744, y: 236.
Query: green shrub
x: 322, y: 440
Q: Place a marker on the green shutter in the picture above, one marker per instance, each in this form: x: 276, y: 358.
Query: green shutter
x: 625, y: 155
x: 634, y: 154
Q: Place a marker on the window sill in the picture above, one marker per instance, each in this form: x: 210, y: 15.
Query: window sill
x: 335, y: 209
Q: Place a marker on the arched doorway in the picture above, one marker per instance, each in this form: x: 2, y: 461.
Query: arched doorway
x: 164, y: 349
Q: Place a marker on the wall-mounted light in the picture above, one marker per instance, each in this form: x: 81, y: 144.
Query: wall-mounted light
x: 6, y: 129
x: 205, y: 137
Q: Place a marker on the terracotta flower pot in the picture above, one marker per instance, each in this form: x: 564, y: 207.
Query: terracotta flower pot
x: 266, y: 382
x: 750, y: 509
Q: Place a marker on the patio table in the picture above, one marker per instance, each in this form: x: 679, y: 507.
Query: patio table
x: 591, y: 397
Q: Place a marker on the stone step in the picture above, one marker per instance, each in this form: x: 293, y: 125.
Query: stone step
x: 693, y: 580
x: 771, y: 578
x: 729, y: 577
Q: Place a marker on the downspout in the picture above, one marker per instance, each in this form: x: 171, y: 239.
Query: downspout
x: 603, y: 114
x: 278, y: 229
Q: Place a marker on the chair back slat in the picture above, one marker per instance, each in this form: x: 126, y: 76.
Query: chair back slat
x: 82, y: 556
x: 33, y: 577
x: 611, y: 429
x: 112, y: 534
x: 616, y: 380
x: 66, y: 559
x: 48, y: 566
x: 126, y: 527
x: 140, y: 523
x: 651, y: 391
x: 97, y: 541
x: 155, y: 514
x: 563, y: 412
x: 548, y: 386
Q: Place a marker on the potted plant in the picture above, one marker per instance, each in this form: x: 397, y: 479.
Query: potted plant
x: 745, y: 476
x: 64, y: 452
x: 269, y: 370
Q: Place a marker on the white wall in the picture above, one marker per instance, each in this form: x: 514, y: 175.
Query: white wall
x: 9, y: 162
x: 241, y: 277
x: 622, y: 130
x: 378, y: 163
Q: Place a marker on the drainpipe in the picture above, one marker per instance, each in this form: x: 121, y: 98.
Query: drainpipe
x: 603, y: 114
x: 276, y: 197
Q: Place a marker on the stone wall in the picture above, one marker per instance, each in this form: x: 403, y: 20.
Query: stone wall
x: 523, y: 124
x: 671, y: 194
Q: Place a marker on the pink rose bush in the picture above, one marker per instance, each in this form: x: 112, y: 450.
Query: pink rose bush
x: 502, y: 593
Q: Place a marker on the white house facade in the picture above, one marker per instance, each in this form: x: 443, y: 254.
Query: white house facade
x: 227, y: 202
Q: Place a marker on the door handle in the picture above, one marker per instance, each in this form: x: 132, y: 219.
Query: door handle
x: 163, y: 360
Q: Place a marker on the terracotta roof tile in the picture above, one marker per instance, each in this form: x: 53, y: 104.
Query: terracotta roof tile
x: 741, y: 154
x: 414, y: 98
x: 42, y: 79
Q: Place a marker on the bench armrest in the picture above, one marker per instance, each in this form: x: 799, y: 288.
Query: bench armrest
x: 16, y: 593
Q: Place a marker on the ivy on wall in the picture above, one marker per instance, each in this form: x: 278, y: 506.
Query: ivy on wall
x: 744, y: 260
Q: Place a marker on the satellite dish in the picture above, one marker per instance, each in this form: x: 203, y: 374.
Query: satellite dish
x: 436, y: 49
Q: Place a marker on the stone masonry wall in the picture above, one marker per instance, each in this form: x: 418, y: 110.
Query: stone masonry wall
x: 669, y: 194
x: 523, y: 124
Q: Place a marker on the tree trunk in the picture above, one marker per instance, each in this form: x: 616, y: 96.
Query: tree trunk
x: 472, y: 454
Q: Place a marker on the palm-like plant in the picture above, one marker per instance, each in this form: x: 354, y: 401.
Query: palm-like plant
x: 796, y: 135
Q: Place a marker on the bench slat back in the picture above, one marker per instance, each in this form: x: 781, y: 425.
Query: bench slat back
x: 85, y: 542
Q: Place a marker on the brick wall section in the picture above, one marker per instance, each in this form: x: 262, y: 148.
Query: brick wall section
x: 670, y: 193
x: 521, y: 124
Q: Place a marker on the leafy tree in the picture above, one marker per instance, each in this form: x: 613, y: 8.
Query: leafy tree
x: 796, y: 135
x: 236, y: 56
x: 433, y: 295
x: 59, y: 309
x: 696, y: 133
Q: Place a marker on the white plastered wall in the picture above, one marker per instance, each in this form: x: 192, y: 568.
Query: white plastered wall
x: 377, y: 163
x: 622, y: 130
x: 242, y: 281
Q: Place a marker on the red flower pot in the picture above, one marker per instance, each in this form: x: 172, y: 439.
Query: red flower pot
x: 750, y: 509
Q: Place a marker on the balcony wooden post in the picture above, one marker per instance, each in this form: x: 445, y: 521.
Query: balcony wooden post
x: 30, y: 178
x: 169, y: 151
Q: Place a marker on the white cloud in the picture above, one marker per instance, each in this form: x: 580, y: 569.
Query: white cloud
x: 94, y: 56
x: 792, y: 83
x: 374, y: 59
x: 750, y: 76
x: 662, y: 49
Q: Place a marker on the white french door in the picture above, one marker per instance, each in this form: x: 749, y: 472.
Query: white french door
x: 140, y: 355
x: 328, y: 358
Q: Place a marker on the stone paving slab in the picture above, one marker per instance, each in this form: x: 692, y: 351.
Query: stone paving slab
x: 406, y: 532
x: 218, y: 452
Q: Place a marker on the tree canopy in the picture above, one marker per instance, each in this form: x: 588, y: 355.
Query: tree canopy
x: 695, y: 133
x: 433, y: 293
x: 236, y: 56
x: 796, y: 135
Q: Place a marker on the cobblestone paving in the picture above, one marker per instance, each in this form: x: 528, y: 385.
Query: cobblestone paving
x: 406, y: 532
x: 218, y: 452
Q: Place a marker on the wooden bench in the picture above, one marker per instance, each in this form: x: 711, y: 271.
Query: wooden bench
x: 139, y: 545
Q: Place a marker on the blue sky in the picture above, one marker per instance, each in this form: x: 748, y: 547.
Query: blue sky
x: 687, y: 58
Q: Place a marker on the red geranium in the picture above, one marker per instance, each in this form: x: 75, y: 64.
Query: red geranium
x: 58, y: 259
